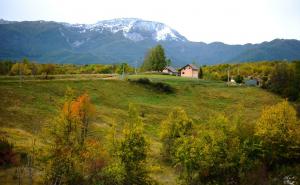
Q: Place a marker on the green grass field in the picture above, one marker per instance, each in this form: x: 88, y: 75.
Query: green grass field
x: 26, y: 110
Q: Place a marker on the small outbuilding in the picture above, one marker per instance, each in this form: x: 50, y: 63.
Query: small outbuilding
x: 189, y: 70
x: 253, y: 81
x: 170, y: 70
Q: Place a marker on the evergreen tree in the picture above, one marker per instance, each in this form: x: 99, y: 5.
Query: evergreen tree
x: 297, y: 75
x: 200, y: 73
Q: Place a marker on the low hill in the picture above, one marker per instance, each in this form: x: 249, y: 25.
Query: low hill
x: 26, y: 110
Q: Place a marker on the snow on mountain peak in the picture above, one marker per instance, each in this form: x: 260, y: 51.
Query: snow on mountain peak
x: 135, y: 29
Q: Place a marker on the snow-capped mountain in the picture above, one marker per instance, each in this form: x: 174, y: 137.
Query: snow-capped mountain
x: 133, y: 29
x: 119, y: 40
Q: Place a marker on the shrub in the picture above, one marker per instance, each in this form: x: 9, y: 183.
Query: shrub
x: 291, y: 93
x: 239, y: 79
x: 133, y: 151
x: 7, y: 156
x: 163, y: 87
x: 176, y: 125
x: 112, y: 174
x: 158, y: 86
x: 200, y: 74
x: 224, y: 78
x: 144, y: 81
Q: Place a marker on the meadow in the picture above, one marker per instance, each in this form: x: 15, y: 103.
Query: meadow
x: 25, y: 110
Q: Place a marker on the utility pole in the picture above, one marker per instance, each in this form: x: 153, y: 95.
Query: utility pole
x: 135, y: 67
x: 228, y: 76
x: 123, y: 72
x: 20, y: 74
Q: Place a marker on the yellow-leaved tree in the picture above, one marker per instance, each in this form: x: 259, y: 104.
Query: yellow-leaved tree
x: 177, y: 125
x: 279, y: 133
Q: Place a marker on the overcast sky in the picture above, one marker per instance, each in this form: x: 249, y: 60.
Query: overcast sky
x: 229, y: 21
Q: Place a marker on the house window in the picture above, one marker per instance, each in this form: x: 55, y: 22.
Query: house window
x: 182, y: 73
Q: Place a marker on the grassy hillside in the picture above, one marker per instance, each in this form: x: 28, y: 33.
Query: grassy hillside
x: 26, y: 110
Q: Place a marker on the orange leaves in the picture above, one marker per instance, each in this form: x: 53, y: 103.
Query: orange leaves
x: 80, y: 109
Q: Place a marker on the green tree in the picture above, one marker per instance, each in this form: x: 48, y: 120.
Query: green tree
x: 214, y: 155
x: 133, y: 150
x: 297, y: 75
x: 238, y: 79
x: 200, y: 73
x: 47, y: 69
x: 21, y: 68
x: 281, y: 77
x: 124, y: 67
x: 168, y: 62
x: 219, y: 149
x: 5, y: 67
x: 155, y: 59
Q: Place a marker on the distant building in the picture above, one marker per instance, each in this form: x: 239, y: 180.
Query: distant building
x: 170, y: 70
x: 251, y: 82
x: 232, y: 80
x: 254, y: 82
x: 189, y: 70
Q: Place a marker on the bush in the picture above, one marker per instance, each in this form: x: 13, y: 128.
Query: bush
x: 7, y: 156
x: 112, y: 174
x: 291, y: 93
x: 158, y: 86
x: 224, y: 78
x: 278, y: 131
x: 239, y: 79
x: 144, y: 81
x: 163, y: 87
x: 298, y: 110
x: 177, y: 125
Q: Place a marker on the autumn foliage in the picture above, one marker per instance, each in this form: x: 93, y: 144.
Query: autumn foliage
x: 80, y: 111
x: 71, y: 157
x: 218, y: 152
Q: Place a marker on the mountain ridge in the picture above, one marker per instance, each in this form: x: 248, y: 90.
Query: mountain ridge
x: 126, y: 39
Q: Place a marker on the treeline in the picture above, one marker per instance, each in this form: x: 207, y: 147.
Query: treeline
x: 280, y: 77
x: 254, y: 69
x: 26, y: 67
